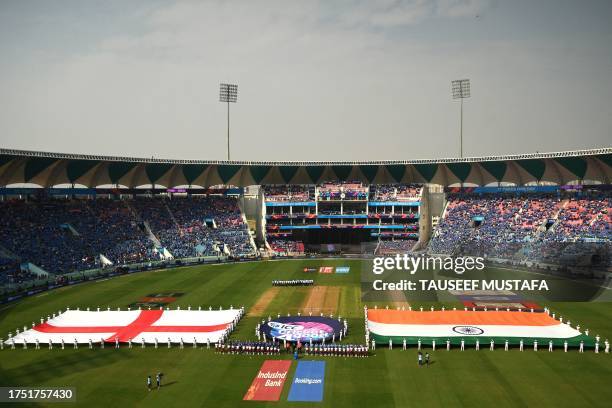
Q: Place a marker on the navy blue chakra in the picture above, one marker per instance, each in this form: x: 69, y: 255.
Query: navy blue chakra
x: 468, y: 330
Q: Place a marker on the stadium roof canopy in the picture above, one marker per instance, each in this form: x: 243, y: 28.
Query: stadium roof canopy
x: 52, y: 169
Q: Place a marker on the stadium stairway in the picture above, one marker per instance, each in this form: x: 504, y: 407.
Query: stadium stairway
x: 151, y: 235
x: 562, y: 206
x: 137, y: 218
x: 73, y: 230
x: 37, y: 270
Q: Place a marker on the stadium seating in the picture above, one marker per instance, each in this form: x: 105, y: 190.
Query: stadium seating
x: 181, y: 225
x: 390, y: 247
x: 349, y: 190
x: 395, y: 192
x: 342, y: 205
x: 62, y: 236
x: 533, y: 227
x: 285, y: 246
x: 293, y: 193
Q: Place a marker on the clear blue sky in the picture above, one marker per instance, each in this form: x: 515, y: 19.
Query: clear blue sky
x: 318, y: 80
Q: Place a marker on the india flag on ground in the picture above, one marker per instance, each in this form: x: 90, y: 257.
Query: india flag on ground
x: 499, y: 326
x: 136, y: 325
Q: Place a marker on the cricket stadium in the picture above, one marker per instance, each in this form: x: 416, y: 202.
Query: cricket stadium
x: 265, y: 203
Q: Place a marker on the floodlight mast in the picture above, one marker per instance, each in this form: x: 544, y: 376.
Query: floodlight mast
x: 461, y: 90
x: 228, y: 93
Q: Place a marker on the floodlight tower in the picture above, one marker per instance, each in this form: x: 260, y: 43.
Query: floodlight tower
x: 461, y: 90
x: 228, y: 93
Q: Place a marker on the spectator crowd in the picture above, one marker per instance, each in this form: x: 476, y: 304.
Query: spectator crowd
x: 61, y: 236
x: 536, y: 227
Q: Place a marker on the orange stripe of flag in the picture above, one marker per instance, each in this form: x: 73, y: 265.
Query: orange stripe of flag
x: 461, y: 317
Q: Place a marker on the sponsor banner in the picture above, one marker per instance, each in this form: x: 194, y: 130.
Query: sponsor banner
x: 326, y: 269
x: 303, y: 328
x: 308, y: 382
x: 268, y: 384
x: 136, y: 325
x: 156, y: 300
x: 343, y: 269
x: 457, y: 324
x: 307, y: 269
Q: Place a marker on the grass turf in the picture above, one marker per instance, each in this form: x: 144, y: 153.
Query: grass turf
x: 389, y: 378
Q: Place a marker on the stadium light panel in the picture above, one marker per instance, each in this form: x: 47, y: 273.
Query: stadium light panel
x: 228, y: 93
x: 461, y: 88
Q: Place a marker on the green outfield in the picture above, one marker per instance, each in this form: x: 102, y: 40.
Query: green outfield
x: 199, y: 377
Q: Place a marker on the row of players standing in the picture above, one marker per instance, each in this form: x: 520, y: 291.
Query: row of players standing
x: 336, y: 350
x: 293, y: 282
x: 248, y: 347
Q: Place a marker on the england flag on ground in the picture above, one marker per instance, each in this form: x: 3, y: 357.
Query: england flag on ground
x: 139, y: 325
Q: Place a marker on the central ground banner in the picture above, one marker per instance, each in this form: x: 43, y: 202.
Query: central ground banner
x: 135, y: 325
x: 268, y: 384
x: 308, y: 382
x: 303, y: 328
x: 397, y: 325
